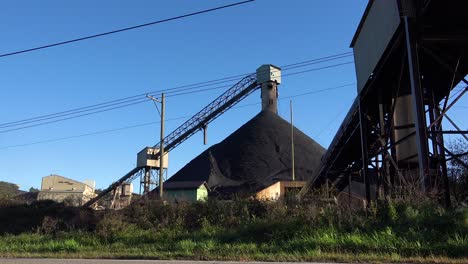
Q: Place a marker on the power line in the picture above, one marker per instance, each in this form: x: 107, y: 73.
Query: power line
x: 284, y: 67
x: 93, y: 107
x: 66, y: 113
x: 71, y: 117
x: 318, y: 91
x: 321, y: 68
x: 171, y: 119
x: 302, y: 94
x: 123, y: 29
x: 319, y: 60
x: 167, y: 91
x: 201, y: 90
x: 52, y: 118
x: 332, y: 121
x: 92, y: 133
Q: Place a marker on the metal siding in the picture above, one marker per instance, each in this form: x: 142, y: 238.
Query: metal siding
x: 268, y: 72
x: 147, y: 158
x: 376, y: 33
x: 181, y: 195
x: 59, y: 183
x: 403, y: 117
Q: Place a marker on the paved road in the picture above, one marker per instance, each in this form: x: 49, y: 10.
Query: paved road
x: 95, y: 261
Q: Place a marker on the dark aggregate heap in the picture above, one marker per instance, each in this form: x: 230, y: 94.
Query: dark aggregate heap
x: 253, y: 157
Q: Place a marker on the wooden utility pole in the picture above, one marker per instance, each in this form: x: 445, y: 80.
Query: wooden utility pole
x: 161, y: 144
x: 161, y: 149
x: 292, y: 142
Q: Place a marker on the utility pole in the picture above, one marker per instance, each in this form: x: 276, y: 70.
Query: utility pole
x: 161, y: 149
x: 161, y: 144
x: 292, y: 142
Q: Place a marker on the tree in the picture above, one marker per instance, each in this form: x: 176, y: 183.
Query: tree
x: 457, y: 173
x: 32, y: 189
x: 8, y: 190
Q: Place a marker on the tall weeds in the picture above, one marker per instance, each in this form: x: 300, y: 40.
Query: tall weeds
x: 251, y: 227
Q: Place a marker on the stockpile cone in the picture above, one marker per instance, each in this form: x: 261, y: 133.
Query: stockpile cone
x: 255, y: 156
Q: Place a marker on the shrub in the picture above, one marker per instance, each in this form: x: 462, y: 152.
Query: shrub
x: 109, y: 228
x: 49, y: 225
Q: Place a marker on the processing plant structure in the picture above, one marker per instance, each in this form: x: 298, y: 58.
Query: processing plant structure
x: 262, y: 159
x: 410, y: 55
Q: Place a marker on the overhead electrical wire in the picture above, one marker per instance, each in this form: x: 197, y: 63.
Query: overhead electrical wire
x: 283, y: 75
x: 123, y: 29
x: 65, y: 113
x: 170, y: 90
x: 133, y: 100
x: 320, y: 60
x: 70, y: 117
x: 324, y: 128
x: 301, y: 94
x: 321, y: 68
x: 92, y: 133
x: 169, y: 119
x: 54, y: 120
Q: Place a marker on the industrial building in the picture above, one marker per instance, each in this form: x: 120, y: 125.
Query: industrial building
x: 257, y: 157
x: 189, y: 191
x: 119, y: 198
x: 280, y: 190
x: 267, y: 156
x: 409, y: 55
x: 60, y: 189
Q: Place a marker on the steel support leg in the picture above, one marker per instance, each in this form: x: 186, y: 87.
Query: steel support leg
x: 349, y: 190
x: 418, y: 102
x: 147, y: 180
x: 385, y: 165
x: 433, y: 181
x: 364, y: 152
x: 443, y: 161
x: 394, y: 170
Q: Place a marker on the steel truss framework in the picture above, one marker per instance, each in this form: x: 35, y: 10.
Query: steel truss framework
x: 149, y: 179
x: 199, y: 121
x: 427, y: 58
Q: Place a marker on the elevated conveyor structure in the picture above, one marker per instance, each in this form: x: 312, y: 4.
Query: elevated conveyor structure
x: 210, y: 112
x: 199, y: 121
x: 409, y: 57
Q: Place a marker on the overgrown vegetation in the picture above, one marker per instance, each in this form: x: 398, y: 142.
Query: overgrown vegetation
x: 239, y: 230
x: 8, y: 190
x: 458, y: 173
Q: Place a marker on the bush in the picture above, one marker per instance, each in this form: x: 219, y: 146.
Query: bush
x: 111, y: 226
x: 288, y: 227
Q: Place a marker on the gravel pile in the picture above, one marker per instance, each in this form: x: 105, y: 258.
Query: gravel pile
x: 253, y: 157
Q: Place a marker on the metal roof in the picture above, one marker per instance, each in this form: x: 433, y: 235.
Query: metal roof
x: 184, y: 185
x: 361, y: 23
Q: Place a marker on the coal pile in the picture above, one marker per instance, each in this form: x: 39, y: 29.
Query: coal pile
x: 255, y: 156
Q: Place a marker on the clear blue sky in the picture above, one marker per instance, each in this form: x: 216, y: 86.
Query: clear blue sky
x: 196, y: 49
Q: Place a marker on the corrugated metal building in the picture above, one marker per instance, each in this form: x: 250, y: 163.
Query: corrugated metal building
x: 189, y: 191
x: 60, y: 189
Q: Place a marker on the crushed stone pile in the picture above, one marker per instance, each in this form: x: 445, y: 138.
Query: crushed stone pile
x: 255, y: 156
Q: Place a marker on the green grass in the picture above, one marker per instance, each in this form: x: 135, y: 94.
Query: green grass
x: 274, y: 232
x: 303, y: 243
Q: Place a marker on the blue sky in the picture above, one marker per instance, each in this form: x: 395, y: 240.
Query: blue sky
x: 206, y: 47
